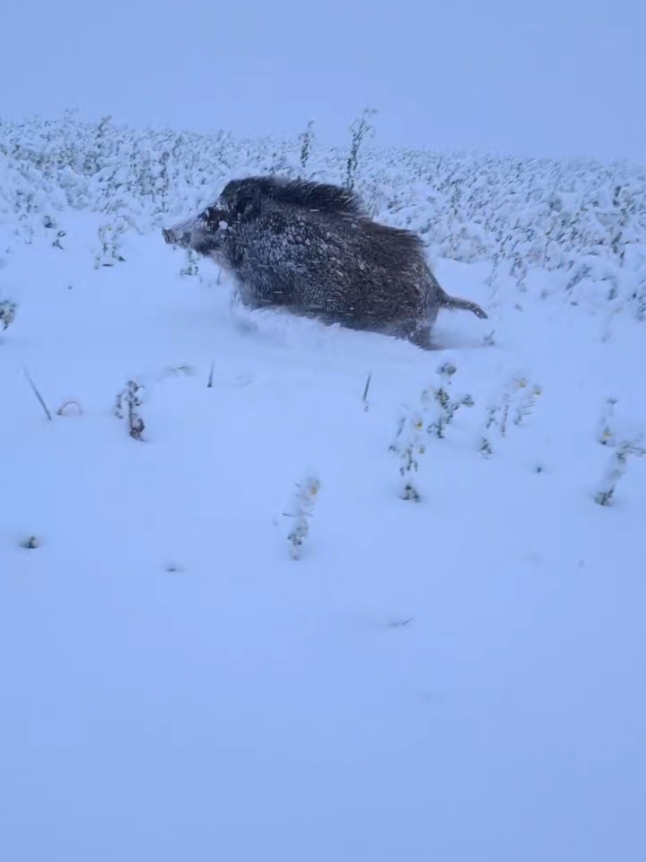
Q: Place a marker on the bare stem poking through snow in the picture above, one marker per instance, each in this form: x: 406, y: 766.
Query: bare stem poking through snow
x: 365, y: 393
x: 40, y: 398
x: 606, y: 435
x: 619, y: 461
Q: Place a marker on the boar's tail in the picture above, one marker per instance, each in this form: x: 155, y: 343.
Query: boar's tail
x: 454, y: 302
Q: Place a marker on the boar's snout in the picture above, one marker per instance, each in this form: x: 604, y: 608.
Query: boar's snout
x: 175, y: 236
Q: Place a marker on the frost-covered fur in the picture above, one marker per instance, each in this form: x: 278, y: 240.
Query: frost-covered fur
x: 312, y: 249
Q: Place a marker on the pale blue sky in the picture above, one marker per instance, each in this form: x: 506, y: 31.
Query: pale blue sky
x: 557, y: 77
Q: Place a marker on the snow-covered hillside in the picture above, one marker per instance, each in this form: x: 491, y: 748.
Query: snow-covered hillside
x: 334, y: 598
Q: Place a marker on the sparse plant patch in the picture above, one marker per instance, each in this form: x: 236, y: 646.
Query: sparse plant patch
x: 7, y: 313
x: 409, y: 444
x: 306, y: 495
x: 412, y: 435
x: 446, y: 406
x: 526, y: 400
x: 518, y: 399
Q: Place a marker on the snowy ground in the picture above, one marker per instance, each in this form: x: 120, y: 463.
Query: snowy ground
x: 457, y: 679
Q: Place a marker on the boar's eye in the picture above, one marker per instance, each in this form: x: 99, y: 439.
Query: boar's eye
x: 212, y: 217
x: 248, y: 203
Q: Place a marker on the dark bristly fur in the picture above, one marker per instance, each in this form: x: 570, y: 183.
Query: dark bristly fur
x: 298, y: 192
x: 311, y: 248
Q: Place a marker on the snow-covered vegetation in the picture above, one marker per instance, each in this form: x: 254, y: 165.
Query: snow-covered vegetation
x: 276, y: 590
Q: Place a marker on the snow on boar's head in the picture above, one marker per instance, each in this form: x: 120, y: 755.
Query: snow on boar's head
x: 222, y: 230
x: 210, y: 231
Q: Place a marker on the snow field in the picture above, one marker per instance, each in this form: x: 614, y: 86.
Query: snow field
x: 457, y: 678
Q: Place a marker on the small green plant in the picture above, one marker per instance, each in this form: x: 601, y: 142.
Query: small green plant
x: 409, y: 444
x: 306, y: 494
x: 446, y: 406
x: 606, y: 435
x: 526, y: 400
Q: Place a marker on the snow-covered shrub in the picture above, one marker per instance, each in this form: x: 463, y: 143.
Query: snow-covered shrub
x: 127, y: 405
